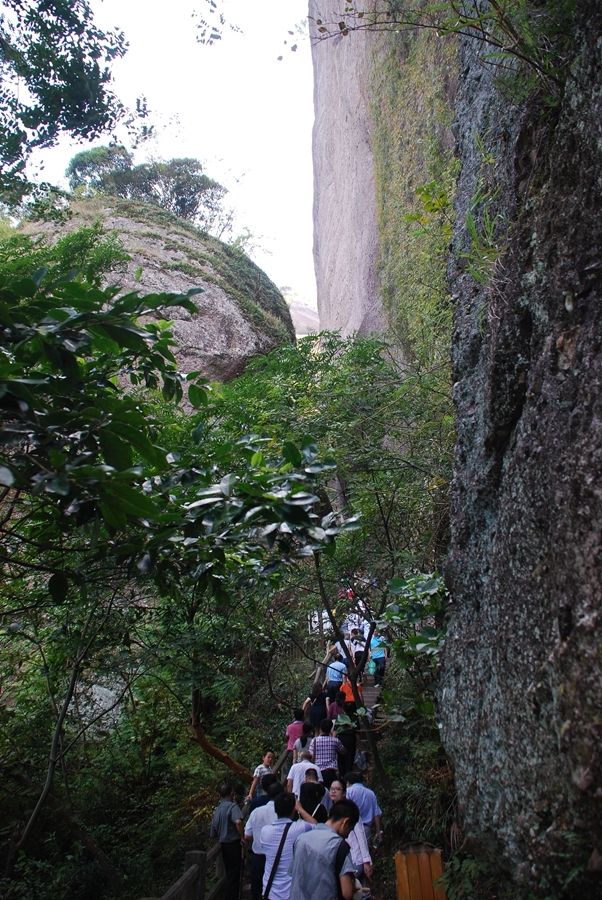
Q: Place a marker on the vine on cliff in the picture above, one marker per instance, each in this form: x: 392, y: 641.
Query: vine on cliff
x: 519, y: 37
x: 412, y: 91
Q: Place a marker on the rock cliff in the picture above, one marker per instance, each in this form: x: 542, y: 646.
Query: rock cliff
x: 383, y: 111
x: 346, y: 242
x: 241, y: 313
x: 521, y: 678
x: 521, y: 681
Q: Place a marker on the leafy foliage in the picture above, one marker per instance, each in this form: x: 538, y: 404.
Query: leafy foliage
x: 89, y: 250
x: 465, y: 877
x: 210, y: 30
x: 422, y: 804
x: 122, y: 558
x: 62, y: 347
x: 417, y: 615
x: 389, y: 431
x: 519, y: 36
x: 90, y: 166
x: 54, y: 66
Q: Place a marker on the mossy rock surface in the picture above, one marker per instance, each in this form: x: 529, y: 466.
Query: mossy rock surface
x: 241, y: 312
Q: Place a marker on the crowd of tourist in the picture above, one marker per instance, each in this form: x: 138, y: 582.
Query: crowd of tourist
x: 285, y: 862
x: 309, y: 839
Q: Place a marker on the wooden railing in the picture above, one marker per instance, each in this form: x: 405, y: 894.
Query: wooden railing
x: 281, y: 766
x: 192, y: 884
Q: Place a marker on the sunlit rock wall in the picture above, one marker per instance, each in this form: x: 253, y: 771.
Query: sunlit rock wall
x: 346, y: 245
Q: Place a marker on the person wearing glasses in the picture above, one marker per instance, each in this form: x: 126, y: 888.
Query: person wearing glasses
x: 358, y: 844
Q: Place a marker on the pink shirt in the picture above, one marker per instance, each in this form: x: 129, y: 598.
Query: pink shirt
x: 293, y: 731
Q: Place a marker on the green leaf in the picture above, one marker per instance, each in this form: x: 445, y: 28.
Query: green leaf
x: 59, y: 485
x: 113, y: 517
x: 128, y: 500
x: 292, y: 454
x: 397, y: 585
x: 116, y: 451
x: 309, y: 449
x: 127, y: 336
x: 144, y: 563
x: 57, y: 459
x: 102, y: 341
x: 227, y: 485
x: 316, y: 468
x: 138, y: 439
x: 168, y: 390
x: 25, y: 288
x: 197, y: 396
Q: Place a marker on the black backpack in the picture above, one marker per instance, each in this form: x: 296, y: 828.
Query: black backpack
x: 341, y: 856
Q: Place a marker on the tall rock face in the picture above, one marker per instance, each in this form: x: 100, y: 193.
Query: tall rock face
x: 346, y: 244
x: 241, y: 313
x: 521, y: 677
x: 383, y: 112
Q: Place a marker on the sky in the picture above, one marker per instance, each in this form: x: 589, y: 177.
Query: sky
x: 232, y: 105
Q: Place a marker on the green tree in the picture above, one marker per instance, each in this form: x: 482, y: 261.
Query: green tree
x: 92, y: 502
x: 86, y: 169
x: 388, y: 425
x: 178, y: 185
x: 55, y: 78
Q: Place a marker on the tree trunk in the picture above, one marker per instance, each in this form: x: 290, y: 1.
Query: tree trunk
x: 205, y: 744
x: 16, y: 845
x: 82, y: 835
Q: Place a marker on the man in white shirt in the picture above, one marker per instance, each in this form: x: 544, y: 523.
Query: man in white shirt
x: 279, y: 883
x: 263, y: 815
x: 296, y: 775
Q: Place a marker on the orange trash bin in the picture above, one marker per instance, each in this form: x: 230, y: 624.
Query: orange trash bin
x: 417, y: 867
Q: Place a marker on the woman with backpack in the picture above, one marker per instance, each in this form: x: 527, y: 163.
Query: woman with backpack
x: 302, y: 743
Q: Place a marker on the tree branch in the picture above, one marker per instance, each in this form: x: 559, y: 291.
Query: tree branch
x: 205, y: 744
